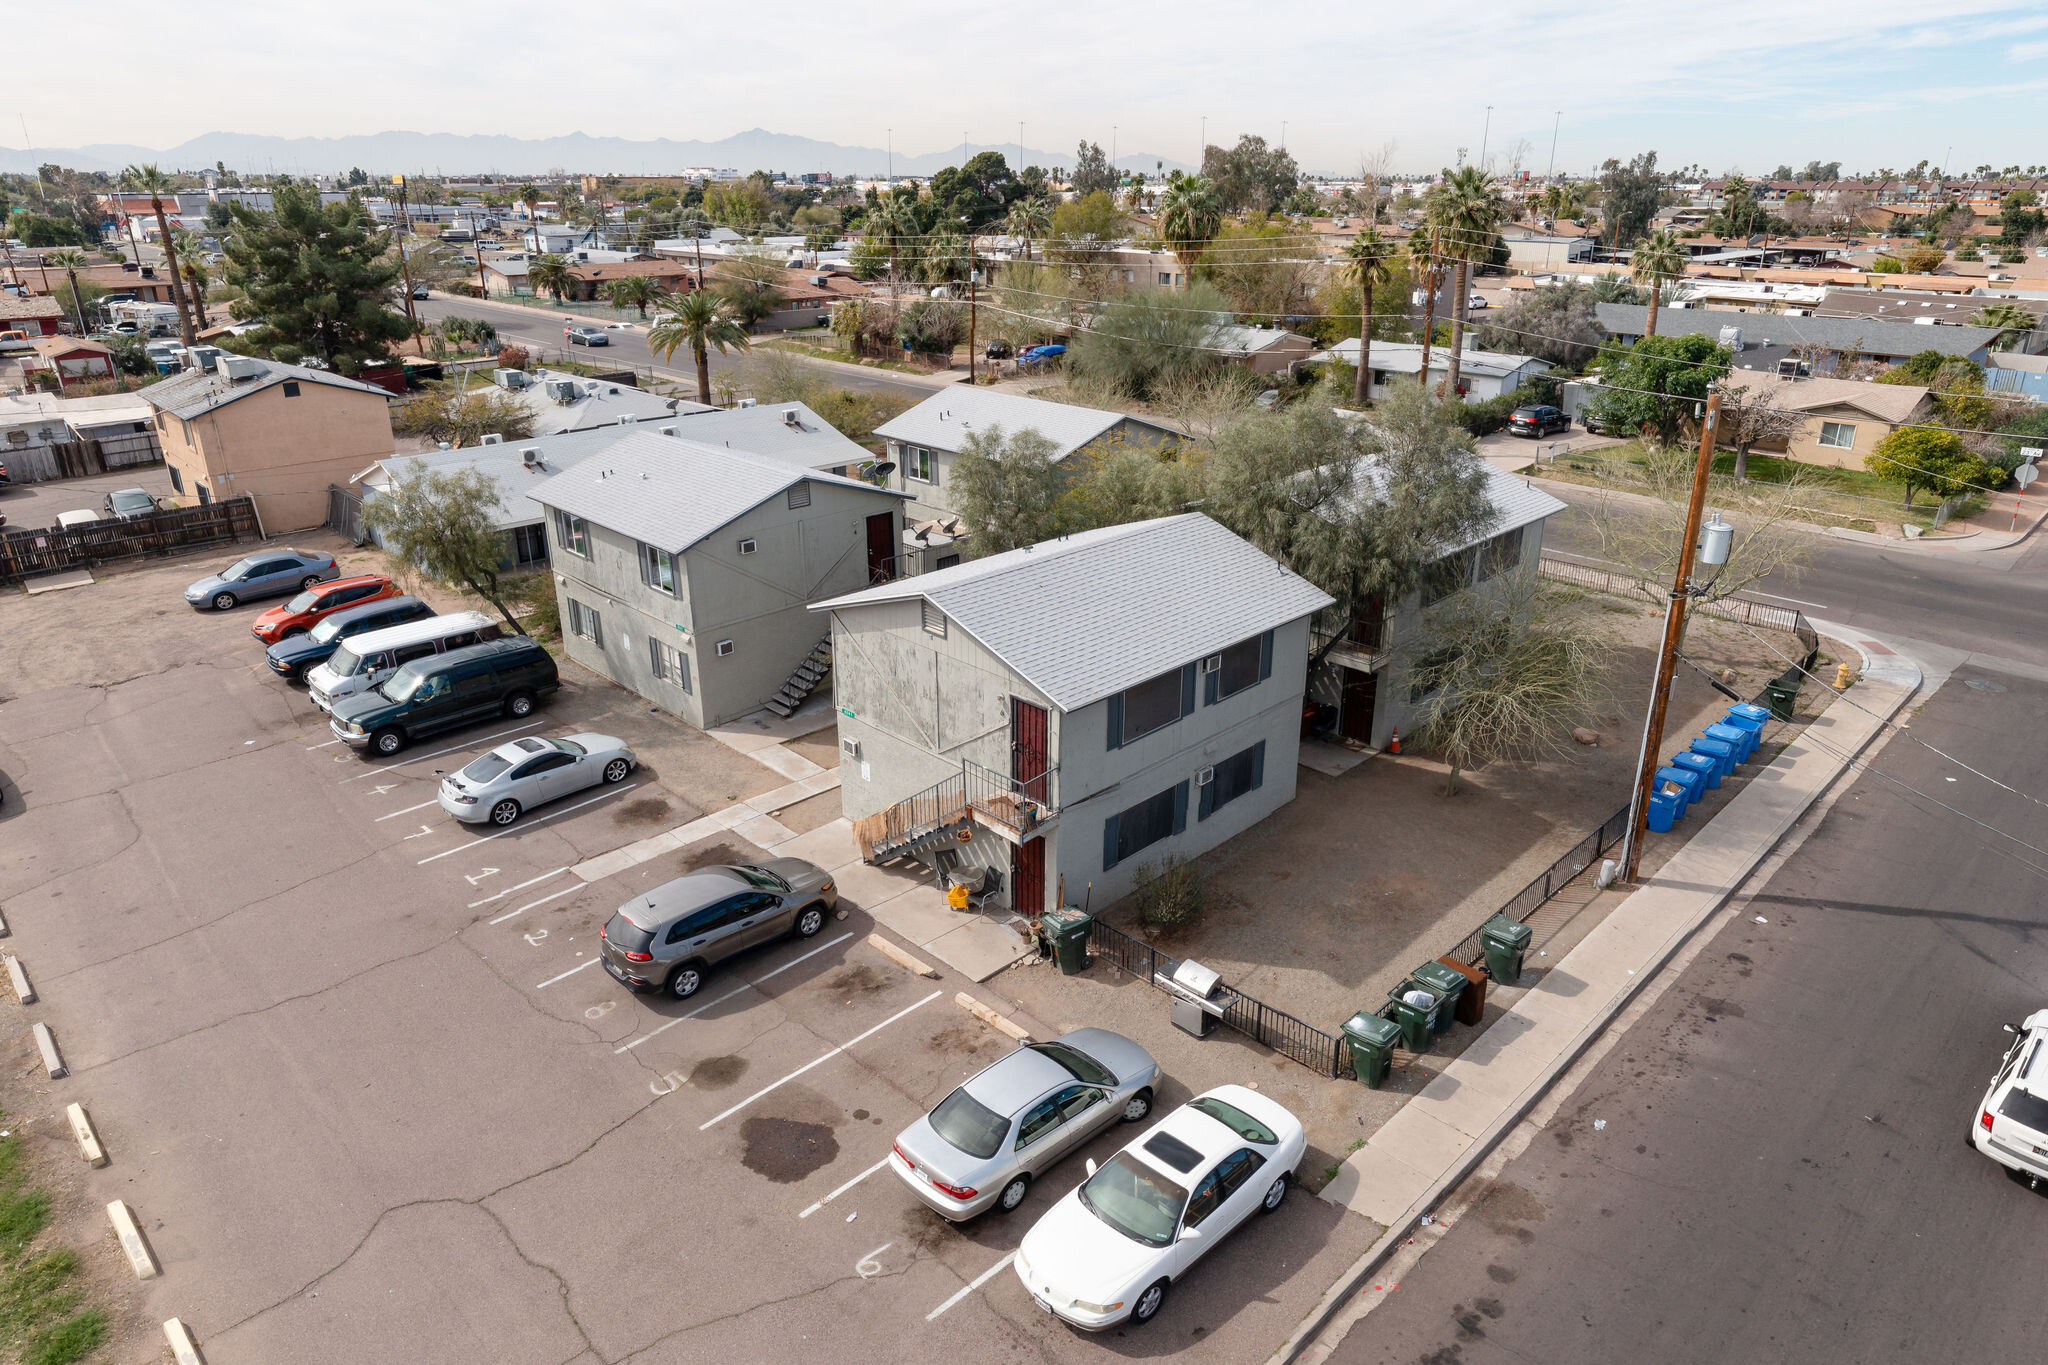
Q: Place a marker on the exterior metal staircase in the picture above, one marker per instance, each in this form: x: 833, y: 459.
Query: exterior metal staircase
x: 976, y: 795
x: 817, y: 665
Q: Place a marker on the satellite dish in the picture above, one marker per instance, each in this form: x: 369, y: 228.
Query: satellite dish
x: 885, y: 469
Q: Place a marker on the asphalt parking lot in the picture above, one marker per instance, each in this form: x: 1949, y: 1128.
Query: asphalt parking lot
x: 35, y: 506
x: 374, y: 1099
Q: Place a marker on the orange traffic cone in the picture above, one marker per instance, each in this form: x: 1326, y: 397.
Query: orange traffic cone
x: 1394, y: 744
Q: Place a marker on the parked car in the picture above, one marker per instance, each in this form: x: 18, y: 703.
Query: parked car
x: 2012, y: 1119
x: 364, y: 661
x: 16, y: 341
x: 419, y: 291
x: 1108, y: 1252
x: 670, y: 938
x: 123, y: 503
x: 3, y: 475
x: 1537, y: 419
x: 1032, y: 356
x: 587, y: 336
x: 531, y: 771
x: 77, y: 521
x: 291, y: 657
x: 1009, y: 1122
x: 999, y: 350
x: 499, y: 678
x: 271, y: 573
x: 310, y: 607
x: 1474, y: 302
x: 1590, y: 420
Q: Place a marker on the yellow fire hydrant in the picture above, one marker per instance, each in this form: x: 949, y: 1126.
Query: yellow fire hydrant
x: 1841, y: 677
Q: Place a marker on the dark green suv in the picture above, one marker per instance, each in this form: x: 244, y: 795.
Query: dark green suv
x: 499, y: 677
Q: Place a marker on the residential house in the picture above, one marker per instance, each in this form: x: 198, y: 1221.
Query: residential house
x: 37, y: 316
x: 1846, y: 418
x: 593, y: 278
x: 1072, y: 714
x: 1534, y: 251
x: 790, y: 432
x: 114, y: 431
x: 1481, y: 374
x: 1361, y: 689
x: 560, y: 402
x: 685, y: 569
x: 1886, y: 341
x: 1262, y: 350
x: 279, y: 434
x: 2015, y: 373
x: 70, y: 358
x: 142, y: 284
x: 924, y: 442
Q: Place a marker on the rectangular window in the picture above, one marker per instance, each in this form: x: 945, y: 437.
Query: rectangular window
x: 1138, y: 711
x: 291, y: 388
x: 1838, y: 435
x: 800, y: 495
x: 920, y: 465
x: 670, y: 664
x: 177, y: 479
x: 934, y: 620
x: 1165, y: 278
x: 658, y: 569
x: 1245, y: 664
x: 586, y: 623
x: 572, y: 535
x: 1501, y: 554
x: 1232, y: 778
x: 205, y: 495
x: 529, y: 545
x: 1133, y: 831
x: 1451, y: 574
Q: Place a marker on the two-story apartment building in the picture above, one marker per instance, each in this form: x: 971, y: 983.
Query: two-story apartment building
x: 924, y: 442
x: 684, y: 569
x: 1070, y: 714
x: 281, y: 434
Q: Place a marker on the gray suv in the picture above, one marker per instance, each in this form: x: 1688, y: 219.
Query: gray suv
x: 669, y: 938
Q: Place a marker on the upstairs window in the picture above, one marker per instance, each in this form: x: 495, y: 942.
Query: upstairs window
x: 1245, y: 664
x: 1152, y: 705
x: 658, y: 569
x: 572, y: 535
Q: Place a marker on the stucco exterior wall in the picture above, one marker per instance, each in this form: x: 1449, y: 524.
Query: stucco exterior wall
x: 282, y: 452
x: 1804, y: 445
x: 934, y: 500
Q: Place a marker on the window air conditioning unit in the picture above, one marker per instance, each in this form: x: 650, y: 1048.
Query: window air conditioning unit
x: 723, y: 648
x: 1205, y: 776
x: 1213, y: 664
x: 746, y: 547
x: 849, y: 748
x: 493, y: 438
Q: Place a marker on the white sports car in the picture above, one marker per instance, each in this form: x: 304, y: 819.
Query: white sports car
x: 525, y: 772
x: 1107, y: 1252
x: 2012, y: 1122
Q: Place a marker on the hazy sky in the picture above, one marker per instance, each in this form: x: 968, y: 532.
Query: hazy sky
x: 1739, y: 83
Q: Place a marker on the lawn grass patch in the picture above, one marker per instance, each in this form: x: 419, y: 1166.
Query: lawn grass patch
x: 39, y: 1314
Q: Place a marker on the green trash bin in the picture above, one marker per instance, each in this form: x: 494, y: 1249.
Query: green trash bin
x: 1447, y: 984
x: 1781, y: 695
x: 1371, y: 1039
x: 1417, y: 1020
x: 1505, y: 941
x: 1066, y: 931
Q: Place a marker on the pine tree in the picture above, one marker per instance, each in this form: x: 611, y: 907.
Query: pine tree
x: 317, y: 277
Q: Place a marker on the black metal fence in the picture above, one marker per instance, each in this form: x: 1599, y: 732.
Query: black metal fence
x: 1575, y: 860
x: 27, y: 554
x: 1320, y: 1052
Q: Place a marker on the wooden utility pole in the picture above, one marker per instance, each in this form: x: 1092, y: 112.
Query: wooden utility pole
x: 970, y: 308
x: 1667, y: 655
x: 405, y: 266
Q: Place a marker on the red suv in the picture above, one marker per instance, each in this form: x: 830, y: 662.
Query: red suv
x: 305, y: 611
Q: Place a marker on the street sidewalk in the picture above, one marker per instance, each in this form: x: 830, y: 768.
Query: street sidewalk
x: 1434, y: 1141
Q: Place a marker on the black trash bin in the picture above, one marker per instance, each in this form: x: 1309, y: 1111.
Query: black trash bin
x: 1505, y: 941
x: 1066, y: 931
x: 1371, y: 1039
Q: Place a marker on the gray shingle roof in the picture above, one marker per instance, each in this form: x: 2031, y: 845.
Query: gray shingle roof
x: 1087, y: 616
x: 671, y: 493
x: 813, y: 442
x: 196, y: 392
x: 507, y: 464
x: 944, y: 421
x: 1836, y: 334
x: 1405, y: 357
x: 1516, y: 502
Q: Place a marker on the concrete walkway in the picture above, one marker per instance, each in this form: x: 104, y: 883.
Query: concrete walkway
x: 1426, y: 1148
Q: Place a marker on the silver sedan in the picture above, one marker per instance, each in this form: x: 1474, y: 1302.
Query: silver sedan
x: 1008, y: 1123
x: 528, y: 772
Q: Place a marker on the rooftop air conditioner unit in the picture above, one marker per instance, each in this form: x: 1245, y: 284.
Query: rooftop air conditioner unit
x: 1925, y: 322
x: 668, y: 431
x: 238, y: 367
x: 791, y: 417
x: 493, y: 438
x: 510, y: 379
x: 627, y: 419
x: 747, y: 403
x: 530, y: 457
x: 1731, y: 337
x: 818, y: 281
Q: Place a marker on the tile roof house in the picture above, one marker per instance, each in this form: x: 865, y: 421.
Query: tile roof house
x: 684, y: 569
x: 37, y: 315
x: 280, y: 434
x: 1846, y: 418
x: 1073, y: 712
x: 924, y: 442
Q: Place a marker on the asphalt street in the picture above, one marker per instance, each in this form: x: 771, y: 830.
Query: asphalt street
x: 541, y: 328
x: 1770, y: 1166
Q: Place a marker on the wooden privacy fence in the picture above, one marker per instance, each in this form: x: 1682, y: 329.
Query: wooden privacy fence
x: 28, y: 554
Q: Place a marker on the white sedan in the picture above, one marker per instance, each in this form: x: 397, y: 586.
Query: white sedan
x: 2012, y: 1120
x: 528, y: 771
x: 1108, y: 1252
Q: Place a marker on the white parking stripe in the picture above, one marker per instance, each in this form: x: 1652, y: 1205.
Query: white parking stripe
x: 844, y: 1188
x: 571, y: 972
x: 407, y: 811
x: 521, y: 887
x: 567, y: 890
x: 770, y: 1089
x: 515, y: 829
x: 977, y: 1282
x: 730, y: 994
x: 455, y: 749
x: 328, y: 745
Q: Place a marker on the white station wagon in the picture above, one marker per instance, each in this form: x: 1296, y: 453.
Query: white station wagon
x: 2012, y: 1122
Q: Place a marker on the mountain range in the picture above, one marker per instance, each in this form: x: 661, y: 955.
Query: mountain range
x: 576, y: 153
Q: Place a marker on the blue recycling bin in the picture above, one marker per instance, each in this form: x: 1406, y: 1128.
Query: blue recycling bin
x: 1691, y: 780
x: 1708, y: 769
x: 1665, y: 808
x: 1749, y: 714
x: 1743, y: 740
x: 1721, y: 752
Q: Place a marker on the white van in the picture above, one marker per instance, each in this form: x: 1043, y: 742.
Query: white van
x: 365, y: 660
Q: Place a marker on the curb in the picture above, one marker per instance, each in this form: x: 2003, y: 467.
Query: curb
x: 1355, y: 1278
x: 988, y: 1016
x: 88, y: 1141
x: 184, y: 1346
x: 47, y: 1045
x: 18, y: 976
x: 915, y: 965
x: 132, y: 1241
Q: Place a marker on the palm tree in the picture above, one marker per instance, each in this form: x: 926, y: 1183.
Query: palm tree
x: 147, y: 179
x: 635, y: 291
x: 529, y: 195
x: 1469, y: 209
x: 1371, y: 261
x: 1426, y: 260
x: 1189, y: 215
x: 1029, y: 219
x: 895, y: 219
x: 192, y: 266
x: 69, y: 260
x: 699, y: 320
x: 2011, y: 319
x: 551, y: 274
x: 1657, y: 258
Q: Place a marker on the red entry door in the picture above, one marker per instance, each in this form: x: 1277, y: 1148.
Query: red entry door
x: 1027, y: 877
x: 881, y: 547
x: 1028, y: 743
